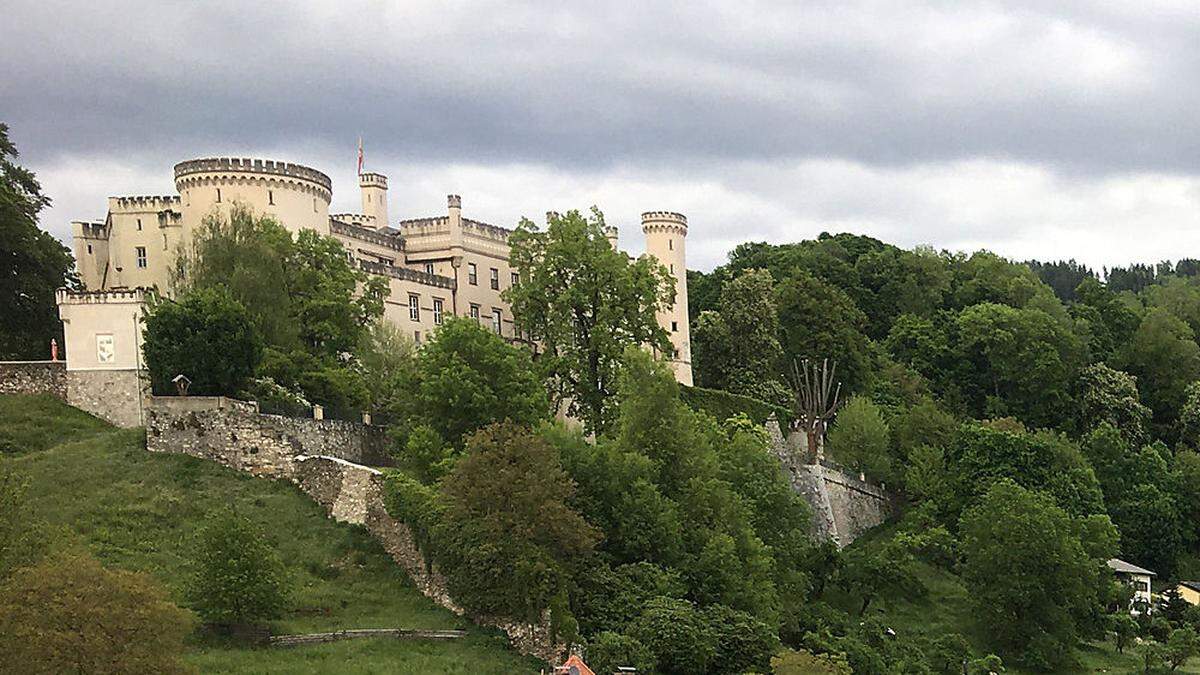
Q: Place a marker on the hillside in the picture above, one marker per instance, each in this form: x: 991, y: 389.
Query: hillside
x: 140, y: 511
x: 947, y: 608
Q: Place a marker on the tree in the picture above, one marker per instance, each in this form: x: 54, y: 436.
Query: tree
x: 1109, y: 396
x: 1189, y: 416
x: 466, y: 378
x: 677, y: 634
x: 1031, y: 577
x: 206, y: 336
x: 859, y: 438
x: 584, y: 302
x: 67, y: 614
x: 608, y: 651
x: 1182, y: 645
x: 508, y: 528
x: 34, y: 263
x: 1124, y: 629
x: 869, y: 574
x: 821, y: 321
x: 1018, y: 362
x: 743, y: 642
x: 239, y: 579
x: 1165, y: 358
x: 741, y: 342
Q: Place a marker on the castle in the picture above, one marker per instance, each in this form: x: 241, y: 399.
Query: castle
x: 435, y: 266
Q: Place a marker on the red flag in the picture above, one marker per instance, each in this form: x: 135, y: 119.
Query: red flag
x: 360, y: 156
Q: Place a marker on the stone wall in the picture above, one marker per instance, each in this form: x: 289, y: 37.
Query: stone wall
x: 34, y: 377
x: 116, y: 396
x: 843, y: 505
x: 236, y: 434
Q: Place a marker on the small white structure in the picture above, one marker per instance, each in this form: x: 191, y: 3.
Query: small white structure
x: 1139, y: 579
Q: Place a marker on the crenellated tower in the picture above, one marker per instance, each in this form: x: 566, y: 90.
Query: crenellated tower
x: 666, y: 233
x: 374, y: 197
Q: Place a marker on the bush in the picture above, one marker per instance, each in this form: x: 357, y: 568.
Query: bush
x: 239, y: 579
x: 722, y: 405
x: 206, y: 336
x: 68, y: 614
x: 677, y: 635
x: 608, y: 651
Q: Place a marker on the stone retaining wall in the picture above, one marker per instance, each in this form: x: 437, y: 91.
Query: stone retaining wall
x: 34, y: 377
x: 843, y: 505
x: 116, y: 396
x: 234, y: 433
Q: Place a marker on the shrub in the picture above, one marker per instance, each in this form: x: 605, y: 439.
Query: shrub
x: 206, y: 336
x: 722, y: 405
x: 608, y: 651
x: 859, y: 438
x: 677, y: 635
x: 239, y: 579
x: 69, y: 614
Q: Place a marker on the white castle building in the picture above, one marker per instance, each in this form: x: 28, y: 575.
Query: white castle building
x: 435, y: 266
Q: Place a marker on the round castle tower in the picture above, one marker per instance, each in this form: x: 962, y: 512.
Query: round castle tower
x: 374, y: 197
x: 666, y: 233
x: 297, y: 195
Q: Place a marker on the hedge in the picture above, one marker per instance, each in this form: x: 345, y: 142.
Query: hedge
x: 723, y: 405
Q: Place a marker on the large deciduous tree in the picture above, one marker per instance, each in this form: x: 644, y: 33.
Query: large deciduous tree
x: 208, y: 337
x: 33, y: 264
x: 583, y: 303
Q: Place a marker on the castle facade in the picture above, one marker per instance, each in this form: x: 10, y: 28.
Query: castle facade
x: 435, y: 266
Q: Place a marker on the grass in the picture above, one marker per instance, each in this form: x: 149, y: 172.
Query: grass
x: 141, y: 511
x: 947, y: 608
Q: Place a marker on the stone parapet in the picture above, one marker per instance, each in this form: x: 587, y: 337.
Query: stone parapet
x: 406, y: 274
x: 364, y: 234
x: 248, y: 165
x: 34, y: 377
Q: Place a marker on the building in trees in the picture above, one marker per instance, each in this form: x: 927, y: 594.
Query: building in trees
x: 1139, y: 579
x: 437, y: 266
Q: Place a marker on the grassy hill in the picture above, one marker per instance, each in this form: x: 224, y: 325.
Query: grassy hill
x: 141, y: 511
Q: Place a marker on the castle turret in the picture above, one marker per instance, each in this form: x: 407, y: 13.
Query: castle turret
x: 374, y: 197
x: 666, y: 233
x: 611, y: 233
x: 296, y: 195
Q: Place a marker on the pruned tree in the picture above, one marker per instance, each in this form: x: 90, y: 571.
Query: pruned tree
x: 816, y: 397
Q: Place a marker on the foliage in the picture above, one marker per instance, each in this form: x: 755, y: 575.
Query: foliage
x: 737, y: 349
x: 583, y: 302
x: 1123, y: 627
x: 35, y: 264
x: 743, y: 642
x: 466, y: 378
x: 859, y: 438
x: 1032, y: 578
x: 1108, y: 396
x: 821, y: 321
x: 608, y: 651
x: 1165, y: 358
x: 69, y: 614
x: 804, y: 662
x: 1189, y: 416
x: 677, y: 634
x: 208, y: 337
x: 508, y: 528
x: 722, y: 405
x: 238, y: 578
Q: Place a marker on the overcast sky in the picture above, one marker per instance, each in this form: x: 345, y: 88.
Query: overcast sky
x: 1034, y: 129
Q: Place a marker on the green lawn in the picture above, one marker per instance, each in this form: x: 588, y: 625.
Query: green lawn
x: 141, y: 511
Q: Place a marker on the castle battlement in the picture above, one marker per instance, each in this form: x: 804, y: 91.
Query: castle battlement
x: 406, y: 274
x: 94, y: 229
x: 145, y: 202
x: 664, y: 221
x: 365, y: 234
x: 372, y: 180
x: 249, y: 165
x: 66, y: 296
x: 486, y: 230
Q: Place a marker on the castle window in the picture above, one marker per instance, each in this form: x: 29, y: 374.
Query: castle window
x: 218, y: 195
x: 164, y: 241
x: 140, y: 253
x: 428, y: 268
x: 472, y: 274
x: 314, y: 204
x: 271, y: 197
x: 672, y: 269
x: 89, y: 249
x: 513, y: 278
x: 414, y: 307
x: 417, y: 336
x: 496, y: 321
x: 474, y: 311
x: 495, y: 279
x: 674, y: 326
x: 670, y: 244
x: 437, y: 311
x: 139, y: 221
